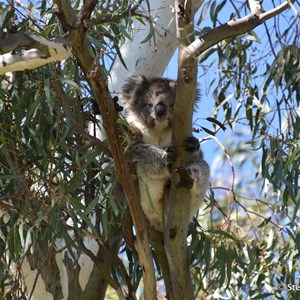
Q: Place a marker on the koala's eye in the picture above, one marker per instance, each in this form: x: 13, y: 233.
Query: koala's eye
x: 149, y: 105
x: 172, y: 105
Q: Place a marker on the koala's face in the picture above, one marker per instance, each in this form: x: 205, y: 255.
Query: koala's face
x: 151, y: 100
x: 155, y: 103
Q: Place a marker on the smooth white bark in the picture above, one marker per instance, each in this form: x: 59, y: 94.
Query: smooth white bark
x: 150, y: 58
x: 33, y: 58
x: 255, y: 6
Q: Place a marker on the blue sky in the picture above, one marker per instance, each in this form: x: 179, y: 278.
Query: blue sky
x: 210, y: 148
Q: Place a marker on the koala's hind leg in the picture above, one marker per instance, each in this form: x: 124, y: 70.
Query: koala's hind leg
x: 195, y: 175
x: 153, y: 177
x: 199, y: 171
x: 198, y: 168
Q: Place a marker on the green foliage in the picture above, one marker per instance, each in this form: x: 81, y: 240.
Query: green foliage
x: 47, y: 176
x: 258, y: 204
x: 55, y: 185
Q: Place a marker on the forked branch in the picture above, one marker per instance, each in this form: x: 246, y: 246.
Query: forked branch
x: 235, y: 27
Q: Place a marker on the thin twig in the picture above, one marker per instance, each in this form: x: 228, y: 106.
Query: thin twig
x: 70, y: 115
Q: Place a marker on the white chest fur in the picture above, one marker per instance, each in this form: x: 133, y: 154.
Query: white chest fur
x: 159, y: 136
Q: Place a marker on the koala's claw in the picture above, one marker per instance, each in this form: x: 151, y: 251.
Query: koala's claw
x: 171, y: 154
x: 185, y: 179
x: 118, y: 107
x: 191, y: 144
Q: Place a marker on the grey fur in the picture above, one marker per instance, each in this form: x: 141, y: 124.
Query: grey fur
x: 149, y: 106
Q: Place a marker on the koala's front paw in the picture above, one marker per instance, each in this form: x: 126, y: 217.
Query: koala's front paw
x: 139, y: 151
x: 170, y: 154
x: 137, y: 147
x: 191, y: 144
x: 118, y: 107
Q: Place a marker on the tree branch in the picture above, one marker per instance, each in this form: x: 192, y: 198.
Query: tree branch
x: 102, y: 266
x: 112, y: 18
x: 106, y: 105
x: 86, y: 10
x: 233, y: 28
x: 65, y: 13
x: 12, y: 41
x: 65, y: 103
x: 177, y: 208
x: 255, y: 6
x: 42, y: 52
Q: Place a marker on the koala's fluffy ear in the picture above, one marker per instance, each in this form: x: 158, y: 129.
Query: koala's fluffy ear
x: 133, y: 85
x: 173, y: 84
x: 198, y: 97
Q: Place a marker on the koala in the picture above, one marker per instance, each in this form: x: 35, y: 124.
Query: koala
x: 149, y: 104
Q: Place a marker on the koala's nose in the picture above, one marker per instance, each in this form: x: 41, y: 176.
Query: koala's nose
x: 160, y: 111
